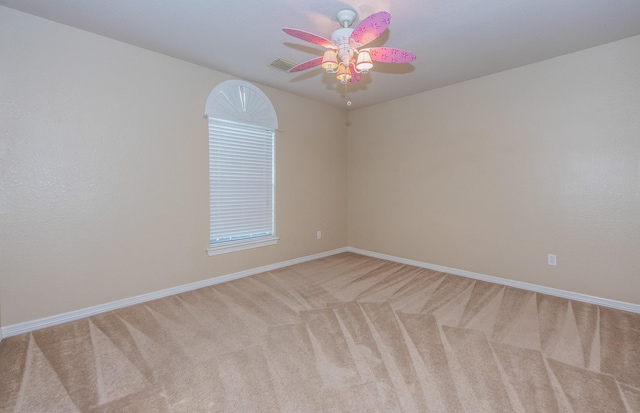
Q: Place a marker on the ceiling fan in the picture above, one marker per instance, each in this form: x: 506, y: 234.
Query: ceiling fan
x: 346, y: 54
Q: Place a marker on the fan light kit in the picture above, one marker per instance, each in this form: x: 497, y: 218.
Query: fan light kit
x: 346, y: 56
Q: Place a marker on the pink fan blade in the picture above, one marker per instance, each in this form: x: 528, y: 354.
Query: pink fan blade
x: 306, y: 65
x: 310, y: 37
x: 355, y: 76
x: 370, y: 28
x: 390, y: 55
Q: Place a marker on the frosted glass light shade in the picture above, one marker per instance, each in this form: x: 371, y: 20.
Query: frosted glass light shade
x: 330, y: 61
x: 344, y: 74
x: 364, y: 61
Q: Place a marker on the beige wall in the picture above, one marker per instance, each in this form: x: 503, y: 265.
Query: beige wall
x: 492, y: 174
x: 104, y: 174
x: 104, y: 187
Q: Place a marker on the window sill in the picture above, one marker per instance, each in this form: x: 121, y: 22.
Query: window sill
x: 241, y: 245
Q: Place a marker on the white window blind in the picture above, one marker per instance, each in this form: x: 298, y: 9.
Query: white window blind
x: 241, y: 179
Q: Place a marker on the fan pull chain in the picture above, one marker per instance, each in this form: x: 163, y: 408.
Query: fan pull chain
x: 346, y: 93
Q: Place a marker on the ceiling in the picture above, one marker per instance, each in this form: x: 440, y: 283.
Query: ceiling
x: 454, y: 40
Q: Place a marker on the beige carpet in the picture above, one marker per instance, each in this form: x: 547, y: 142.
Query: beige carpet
x: 346, y: 333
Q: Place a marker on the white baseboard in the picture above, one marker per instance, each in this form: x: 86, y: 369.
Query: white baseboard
x: 605, y: 302
x: 15, y: 329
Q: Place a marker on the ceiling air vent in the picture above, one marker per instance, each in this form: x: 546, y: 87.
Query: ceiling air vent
x: 282, y: 64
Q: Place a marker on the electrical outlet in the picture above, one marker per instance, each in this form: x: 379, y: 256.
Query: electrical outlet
x: 551, y: 259
x: 319, y: 234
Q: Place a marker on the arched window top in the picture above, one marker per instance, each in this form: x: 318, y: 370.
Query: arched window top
x: 239, y: 101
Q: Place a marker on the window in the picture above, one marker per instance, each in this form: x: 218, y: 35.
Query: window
x: 242, y: 126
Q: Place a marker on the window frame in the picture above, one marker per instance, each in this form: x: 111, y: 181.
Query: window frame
x: 235, y: 103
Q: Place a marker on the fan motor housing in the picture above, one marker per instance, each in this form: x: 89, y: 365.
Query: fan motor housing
x: 341, y: 35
